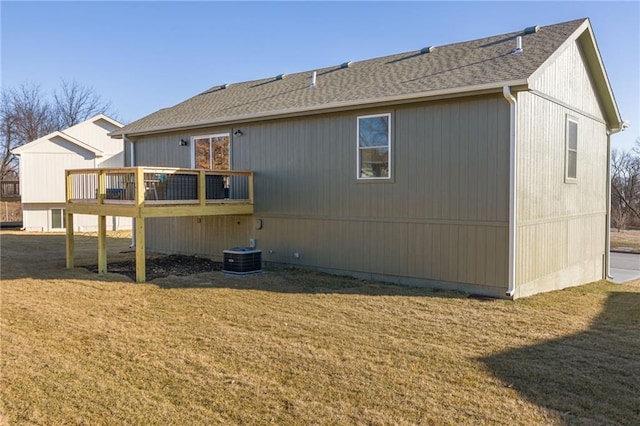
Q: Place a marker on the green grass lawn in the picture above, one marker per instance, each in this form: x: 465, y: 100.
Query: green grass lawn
x: 293, y: 347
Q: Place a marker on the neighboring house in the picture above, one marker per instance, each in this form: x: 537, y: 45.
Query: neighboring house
x: 42, y: 166
x: 480, y: 166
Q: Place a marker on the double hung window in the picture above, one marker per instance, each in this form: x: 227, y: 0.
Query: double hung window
x: 571, y: 146
x: 374, y: 146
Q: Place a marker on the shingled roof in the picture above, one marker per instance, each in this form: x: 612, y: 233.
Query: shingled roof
x: 472, y: 66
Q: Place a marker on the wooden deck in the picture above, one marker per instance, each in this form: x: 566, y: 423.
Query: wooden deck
x: 143, y: 192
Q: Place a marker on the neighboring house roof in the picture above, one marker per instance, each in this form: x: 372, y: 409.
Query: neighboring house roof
x: 61, y: 134
x: 33, y: 144
x: 470, y: 67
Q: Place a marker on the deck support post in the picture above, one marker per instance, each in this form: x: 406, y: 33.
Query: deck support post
x: 140, y: 237
x: 102, y: 244
x: 140, y: 251
x: 70, y: 239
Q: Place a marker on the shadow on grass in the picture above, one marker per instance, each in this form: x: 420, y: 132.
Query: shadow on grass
x: 295, y: 280
x: 591, y: 377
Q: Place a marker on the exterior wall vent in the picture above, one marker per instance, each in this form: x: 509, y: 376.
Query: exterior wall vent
x: 427, y: 49
x: 532, y: 30
x: 346, y: 64
x: 280, y: 76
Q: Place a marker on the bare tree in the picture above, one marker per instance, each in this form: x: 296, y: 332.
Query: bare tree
x: 25, y: 115
x: 625, y: 188
x: 75, y: 103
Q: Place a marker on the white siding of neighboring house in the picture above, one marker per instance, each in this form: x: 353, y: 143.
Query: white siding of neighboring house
x: 42, y: 173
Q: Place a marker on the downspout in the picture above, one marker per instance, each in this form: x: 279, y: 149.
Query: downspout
x: 132, y: 162
x: 506, y: 91
x: 607, y: 234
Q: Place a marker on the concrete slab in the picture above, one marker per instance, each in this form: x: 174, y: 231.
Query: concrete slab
x: 624, y: 267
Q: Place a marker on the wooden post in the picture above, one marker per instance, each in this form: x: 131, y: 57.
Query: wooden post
x: 70, y: 241
x: 251, y: 188
x: 140, y: 251
x: 140, y: 237
x: 102, y: 185
x: 69, y: 219
x: 202, y: 188
x: 102, y: 244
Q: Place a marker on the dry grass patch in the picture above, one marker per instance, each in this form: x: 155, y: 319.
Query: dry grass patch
x: 625, y: 239
x: 293, y: 347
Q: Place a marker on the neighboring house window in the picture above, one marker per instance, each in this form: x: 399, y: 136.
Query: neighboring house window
x: 374, y: 146
x: 571, y: 141
x: 57, y: 219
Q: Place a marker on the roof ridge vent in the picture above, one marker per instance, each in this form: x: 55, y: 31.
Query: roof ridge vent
x: 280, y: 76
x: 532, y: 30
x: 346, y: 64
x: 427, y: 49
x: 518, y: 48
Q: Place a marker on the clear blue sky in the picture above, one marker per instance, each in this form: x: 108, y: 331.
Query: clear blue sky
x: 143, y: 56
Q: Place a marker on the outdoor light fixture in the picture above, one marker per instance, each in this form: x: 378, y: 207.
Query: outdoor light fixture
x: 184, y: 142
x: 238, y: 133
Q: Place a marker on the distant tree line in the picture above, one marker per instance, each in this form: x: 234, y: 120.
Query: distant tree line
x: 625, y: 187
x: 27, y: 113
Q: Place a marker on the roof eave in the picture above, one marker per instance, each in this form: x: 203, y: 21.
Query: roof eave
x: 486, y: 88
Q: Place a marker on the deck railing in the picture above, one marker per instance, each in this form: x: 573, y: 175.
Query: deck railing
x: 158, y: 186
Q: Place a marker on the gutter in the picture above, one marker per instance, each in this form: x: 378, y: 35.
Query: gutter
x: 506, y: 91
x: 607, y: 236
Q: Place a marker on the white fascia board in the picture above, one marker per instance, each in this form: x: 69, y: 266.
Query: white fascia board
x: 31, y: 145
x: 106, y: 118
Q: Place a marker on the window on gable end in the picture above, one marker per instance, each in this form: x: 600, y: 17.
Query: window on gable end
x: 571, y: 149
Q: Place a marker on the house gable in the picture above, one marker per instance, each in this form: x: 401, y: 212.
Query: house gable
x: 569, y: 80
x: 575, y: 75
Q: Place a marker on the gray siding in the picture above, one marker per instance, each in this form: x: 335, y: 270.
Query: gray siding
x: 165, y: 150
x: 566, y: 79
x: 561, y: 226
x: 441, y: 220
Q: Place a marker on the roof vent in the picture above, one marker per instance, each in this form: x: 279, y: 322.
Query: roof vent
x: 532, y: 30
x: 313, y: 80
x: 428, y: 49
x: 280, y: 76
x: 346, y: 64
x: 518, y: 48
x: 224, y: 86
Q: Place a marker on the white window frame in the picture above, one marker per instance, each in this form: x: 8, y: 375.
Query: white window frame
x: 63, y: 218
x: 358, y: 149
x: 567, y: 149
x: 215, y: 135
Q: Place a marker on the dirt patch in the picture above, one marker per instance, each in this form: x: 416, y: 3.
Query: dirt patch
x: 164, y: 266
